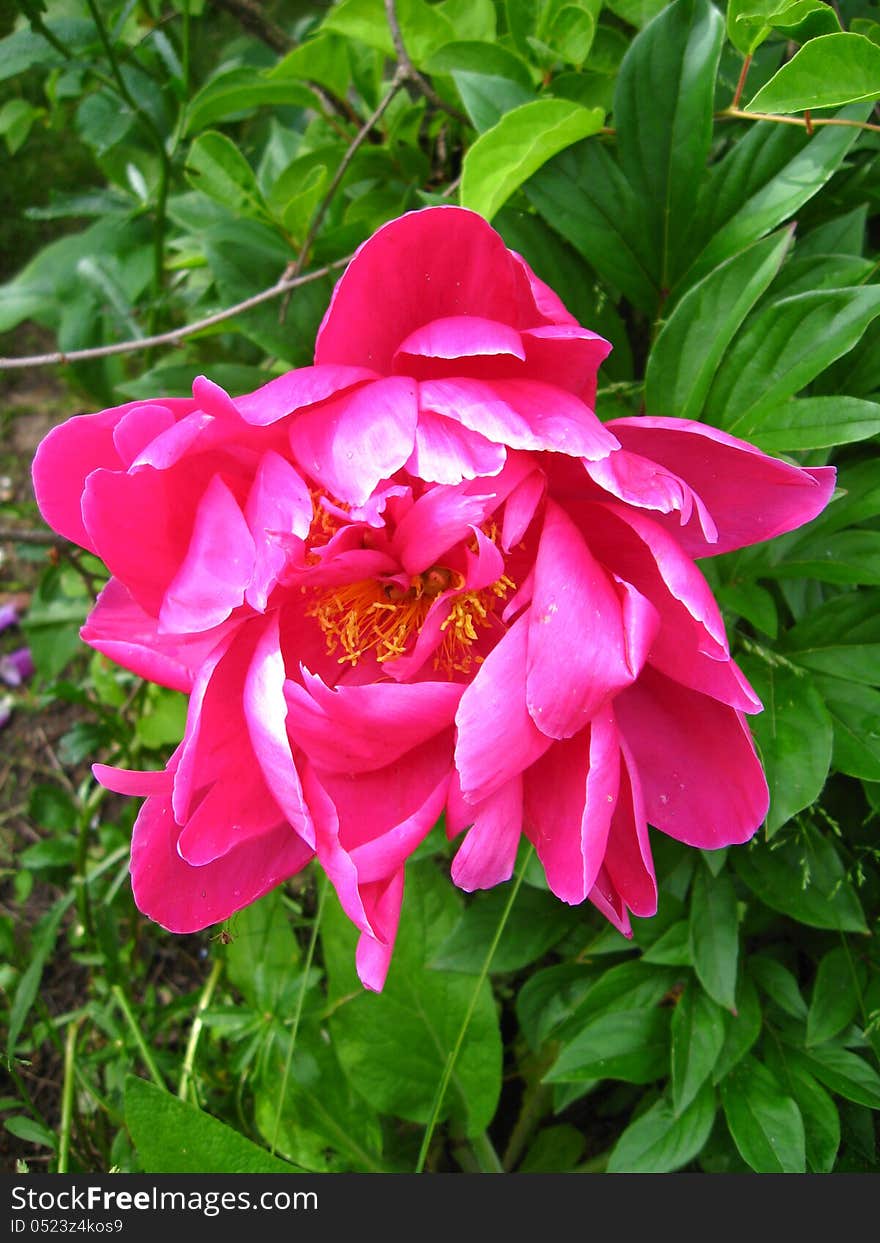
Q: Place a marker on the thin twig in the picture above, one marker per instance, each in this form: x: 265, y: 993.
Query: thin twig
x: 409, y: 70
x: 250, y: 16
x: 741, y: 114
x: 192, y: 1044
x: 176, y: 335
x: 320, y: 212
x: 740, y: 86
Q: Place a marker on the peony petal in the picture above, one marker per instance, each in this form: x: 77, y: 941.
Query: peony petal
x: 355, y: 729
x: 497, y: 738
x: 522, y: 414
x: 445, y: 452
x: 424, y: 266
x: 566, y: 355
x: 139, y: 428
x: 569, y: 799
x: 577, y: 656
x: 183, y: 898
x: 440, y: 518
x: 641, y: 482
x: 351, y: 443
x: 373, y: 957
x: 70, y: 453
x: 236, y: 810
x: 750, y: 496
x: 132, y: 782
x: 487, y: 855
x: 217, y: 568
x: 701, y: 779
x: 265, y: 714
x: 278, y: 503
x: 296, y: 390
x: 521, y: 507
x: 454, y: 337
x: 628, y: 861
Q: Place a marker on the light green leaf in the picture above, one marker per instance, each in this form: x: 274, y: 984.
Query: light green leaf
x: 663, y: 104
x: 835, y: 998
x: 636, y: 12
x: 240, y: 91
x: 660, y: 1141
x: 470, y: 19
x: 423, y: 26
x: 323, y: 59
x: 173, y: 1137
x: 765, y: 1123
x: 536, y: 923
x: 484, y: 59
x: 217, y: 168
x: 827, y: 72
x: 697, y: 1039
x: 524, y: 139
x: 794, y: 735
x: 805, y: 879
x: 42, y: 944
x: 694, y: 338
x: 749, y: 22
x: 714, y: 935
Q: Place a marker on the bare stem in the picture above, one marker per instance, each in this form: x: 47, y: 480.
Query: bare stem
x: 740, y: 114
x: 410, y: 73
x: 740, y: 86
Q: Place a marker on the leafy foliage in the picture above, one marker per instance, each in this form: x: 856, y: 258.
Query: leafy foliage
x: 733, y: 263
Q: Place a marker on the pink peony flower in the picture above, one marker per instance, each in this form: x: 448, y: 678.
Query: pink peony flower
x: 422, y: 574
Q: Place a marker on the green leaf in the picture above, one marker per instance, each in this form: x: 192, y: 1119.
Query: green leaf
x: 844, y: 235
x: 805, y: 879
x: 697, y: 1039
x: 818, y: 1110
x: 628, y: 986
x: 659, y: 1141
x: 324, y: 1123
x: 663, y: 104
x: 323, y: 59
x: 765, y: 1123
x: 16, y: 118
x: 835, y: 998
x: 470, y: 19
x: 855, y: 714
x: 217, y: 168
x: 749, y: 22
x: 239, y: 91
x: 779, y: 984
x: 555, y: 1150
x: 394, y: 1044
x: 841, y: 638
x: 847, y: 557
x: 30, y: 1131
x: 632, y: 1045
x: 536, y: 923
x: 751, y: 601
x: 694, y: 338
x: 762, y: 181
x: 42, y: 944
x: 794, y: 735
x: 483, y: 59
x: 590, y: 202
x: 173, y: 1137
x: 742, y: 1028
x: 843, y: 1072
x: 263, y: 955
x: 524, y: 139
x: 815, y: 423
x: 714, y: 935
x: 784, y: 346
x: 636, y: 12
x: 549, y: 997
x: 422, y: 25
x: 673, y: 948
x: 163, y: 718
x: 826, y: 72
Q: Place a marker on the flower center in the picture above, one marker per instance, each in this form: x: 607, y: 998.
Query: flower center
x: 384, y: 617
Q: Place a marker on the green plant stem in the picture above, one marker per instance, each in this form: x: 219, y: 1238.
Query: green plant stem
x: 297, y: 1014
x: 196, y: 1030
x: 122, y: 1001
x: 487, y: 1158
x: 741, y: 114
x: 442, y: 1086
x: 67, y: 1095
x: 537, y: 1098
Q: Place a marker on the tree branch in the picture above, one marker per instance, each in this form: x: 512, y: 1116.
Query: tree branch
x: 807, y: 123
x: 410, y: 73
x: 176, y: 335
x: 249, y: 14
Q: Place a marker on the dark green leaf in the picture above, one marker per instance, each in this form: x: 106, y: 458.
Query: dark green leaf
x: 555, y: 1150
x: 632, y: 1045
x: 855, y: 713
x: 714, y: 935
x: 216, y: 167
x: 659, y: 1142
x: 30, y: 1131
x: 842, y: 638
x: 794, y: 735
x: 263, y: 955
x: 815, y: 423
x: 697, y: 1038
x: 694, y: 338
x: 742, y: 1028
x: 663, y: 105
x: 765, y: 1123
x: 672, y: 948
x: 549, y: 997
x: 835, y: 997
x: 803, y: 878
x: 843, y: 1072
x: 779, y: 985
x: 42, y: 943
